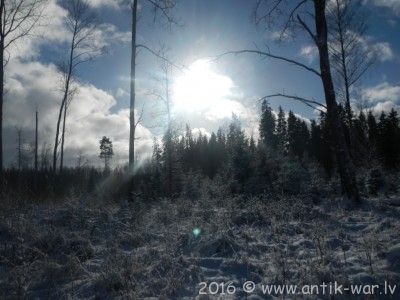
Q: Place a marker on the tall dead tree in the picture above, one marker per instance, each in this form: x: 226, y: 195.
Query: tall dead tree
x: 36, y: 141
x: 20, y: 151
x: 351, y: 57
x: 164, y: 97
x: 81, y: 23
x: 309, y: 16
x: 17, y: 20
x: 163, y: 91
x: 164, y: 9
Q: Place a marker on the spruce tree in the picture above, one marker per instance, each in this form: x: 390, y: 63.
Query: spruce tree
x: 281, y: 130
x: 267, y: 126
x: 239, y: 154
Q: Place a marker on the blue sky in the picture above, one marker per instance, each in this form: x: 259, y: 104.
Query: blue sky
x: 211, y: 27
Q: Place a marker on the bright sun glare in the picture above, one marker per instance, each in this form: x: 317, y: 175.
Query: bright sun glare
x: 201, y: 89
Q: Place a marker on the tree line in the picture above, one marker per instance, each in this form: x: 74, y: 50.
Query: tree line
x: 281, y: 159
x: 291, y: 155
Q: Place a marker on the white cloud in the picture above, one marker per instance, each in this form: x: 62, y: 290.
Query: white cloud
x: 115, y: 4
x: 382, y: 97
x: 196, y: 133
x: 382, y: 92
x: 224, y: 109
x: 309, y: 52
x: 383, y: 51
x: 32, y: 84
x: 302, y: 118
x: 386, y: 107
x: 48, y: 30
x: 51, y: 32
x: 393, y: 5
x: 108, y: 34
x: 120, y: 92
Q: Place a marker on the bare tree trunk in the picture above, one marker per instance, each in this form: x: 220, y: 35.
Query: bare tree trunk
x: 56, y: 141
x: 35, y: 183
x: 63, y: 108
x: 345, y: 164
x: 1, y: 87
x: 1, y: 97
x: 132, y: 124
x: 63, y: 138
x: 19, y: 148
x: 81, y: 23
x: 14, y: 15
x: 36, y: 142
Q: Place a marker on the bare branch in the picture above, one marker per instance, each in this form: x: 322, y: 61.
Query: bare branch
x: 81, y: 23
x: 261, y: 53
x: 165, y: 7
x: 140, y: 116
x: 18, y: 18
x: 307, y: 102
x: 163, y: 58
x: 312, y: 35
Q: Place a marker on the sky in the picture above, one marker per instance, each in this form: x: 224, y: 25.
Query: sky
x: 205, y: 91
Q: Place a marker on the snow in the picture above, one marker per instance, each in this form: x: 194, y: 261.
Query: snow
x: 86, y: 249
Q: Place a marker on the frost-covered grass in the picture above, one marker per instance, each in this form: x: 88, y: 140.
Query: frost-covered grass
x: 85, y: 248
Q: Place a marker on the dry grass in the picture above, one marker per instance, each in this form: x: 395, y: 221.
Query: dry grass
x: 83, y: 249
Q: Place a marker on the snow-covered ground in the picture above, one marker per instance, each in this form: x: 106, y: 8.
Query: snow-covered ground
x: 209, y: 248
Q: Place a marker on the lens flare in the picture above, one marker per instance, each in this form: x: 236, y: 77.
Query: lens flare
x: 196, y: 232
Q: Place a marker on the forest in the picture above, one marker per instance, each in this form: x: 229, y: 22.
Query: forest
x: 297, y: 203
x: 290, y: 157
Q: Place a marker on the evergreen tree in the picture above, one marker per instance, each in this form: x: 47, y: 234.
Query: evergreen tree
x: 281, y: 130
x: 297, y: 136
x: 267, y: 126
x: 171, y: 162
x: 213, y: 159
x: 188, y: 151
x: 221, y: 149
x: 239, y: 154
x: 201, y: 151
x: 156, y: 170
x: 389, y: 139
x: 372, y: 130
x: 319, y: 145
x: 252, y: 146
x: 106, y: 151
x: 344, y: 119
x: 360, y: 145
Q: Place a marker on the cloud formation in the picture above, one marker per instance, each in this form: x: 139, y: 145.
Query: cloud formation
x: 34, y: 85
x: 382, y: 92
x: 393, y: 5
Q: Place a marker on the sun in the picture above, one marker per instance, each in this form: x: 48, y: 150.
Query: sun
x: 200, y: 88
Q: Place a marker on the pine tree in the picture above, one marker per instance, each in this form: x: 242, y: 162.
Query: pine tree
x: 106, y: 151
